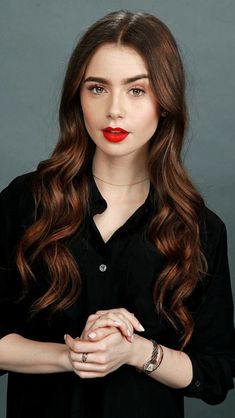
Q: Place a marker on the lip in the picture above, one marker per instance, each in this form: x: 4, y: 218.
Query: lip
x: 115, y: 134
x: 118, y: 129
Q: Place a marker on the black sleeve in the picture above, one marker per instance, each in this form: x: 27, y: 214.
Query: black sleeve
x: 12, y: 310
x: 212, y: 347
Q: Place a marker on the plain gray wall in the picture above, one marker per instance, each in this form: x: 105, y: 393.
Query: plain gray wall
x: 37, y: 38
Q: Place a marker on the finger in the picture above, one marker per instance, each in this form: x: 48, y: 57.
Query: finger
x: 90, y: 320
x: 92, y: 317
x: 91, y: 358
x: 70, y: 342
x: 82, y: 346
x: 90, y: 375
x: 129, y: 315
x: 99, y: 333
x: 125, y: 328
x: 90, y: 367
x: 119, y: 319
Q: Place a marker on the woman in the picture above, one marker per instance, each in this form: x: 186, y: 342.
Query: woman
x: 115, y: 291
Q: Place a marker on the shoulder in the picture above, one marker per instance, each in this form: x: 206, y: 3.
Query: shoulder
x: 17, y: 195
x: 213, y: 220
x: 18, y: 184
x: 212, y: 228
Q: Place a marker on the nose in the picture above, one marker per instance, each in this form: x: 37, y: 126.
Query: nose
x: 115, y: 106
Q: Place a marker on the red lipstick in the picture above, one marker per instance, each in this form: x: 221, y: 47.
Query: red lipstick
x: 115, y: 134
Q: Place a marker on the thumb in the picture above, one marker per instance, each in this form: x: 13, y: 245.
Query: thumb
x: 101, y: 333
x: 70, y: 341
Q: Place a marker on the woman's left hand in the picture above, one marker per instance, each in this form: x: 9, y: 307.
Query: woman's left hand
x: 103, y: 357
x: 102, y: 323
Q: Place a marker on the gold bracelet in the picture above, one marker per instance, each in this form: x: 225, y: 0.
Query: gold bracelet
x: 161, y: 355
x: 156, y: 362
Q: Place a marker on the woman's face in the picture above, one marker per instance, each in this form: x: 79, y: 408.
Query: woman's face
x: 116, y: 93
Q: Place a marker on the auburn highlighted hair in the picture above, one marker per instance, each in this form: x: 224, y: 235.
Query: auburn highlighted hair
x: 60, y: 188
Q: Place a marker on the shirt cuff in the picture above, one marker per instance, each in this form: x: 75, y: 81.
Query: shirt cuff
x: 196, y: 386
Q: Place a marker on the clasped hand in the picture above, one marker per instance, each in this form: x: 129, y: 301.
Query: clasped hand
x: 106, y: 339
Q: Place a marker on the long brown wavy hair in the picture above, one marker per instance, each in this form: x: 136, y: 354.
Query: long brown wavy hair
x: 60, y: 188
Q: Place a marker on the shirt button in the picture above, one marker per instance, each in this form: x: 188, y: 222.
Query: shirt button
x: 197, y: 383
x: 102, y: 267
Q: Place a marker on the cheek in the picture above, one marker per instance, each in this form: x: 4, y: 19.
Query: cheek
x: 89, y: 113
x: 149, y: 118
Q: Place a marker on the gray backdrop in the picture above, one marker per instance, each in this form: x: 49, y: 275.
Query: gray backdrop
x: 37, y: 38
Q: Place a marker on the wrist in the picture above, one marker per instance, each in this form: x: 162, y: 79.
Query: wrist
x: 140, y: 352
x: 64, y: 359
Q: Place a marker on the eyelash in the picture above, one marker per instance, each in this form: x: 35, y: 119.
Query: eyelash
x: 96, y: 86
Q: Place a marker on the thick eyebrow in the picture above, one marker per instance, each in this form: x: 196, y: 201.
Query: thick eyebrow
x: 108, y: 82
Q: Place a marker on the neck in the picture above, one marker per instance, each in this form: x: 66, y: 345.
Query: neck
x: 120, y: 177
x: 120, y: 170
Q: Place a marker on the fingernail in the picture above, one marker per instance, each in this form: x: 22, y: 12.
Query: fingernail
x: 129, y: 332
x: 117, y: 322
x: 141, y: 328
x: 65, y: 336
x: 92, y: 335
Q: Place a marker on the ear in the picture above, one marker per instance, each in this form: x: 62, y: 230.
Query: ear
x: 164, y: 113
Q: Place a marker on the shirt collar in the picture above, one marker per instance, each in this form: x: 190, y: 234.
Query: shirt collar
x: 97, y: 203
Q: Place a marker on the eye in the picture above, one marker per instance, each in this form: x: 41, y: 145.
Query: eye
x: 96, y: 89
x: 137, y: 92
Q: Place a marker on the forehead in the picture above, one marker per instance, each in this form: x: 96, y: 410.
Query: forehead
x: 115, y: 61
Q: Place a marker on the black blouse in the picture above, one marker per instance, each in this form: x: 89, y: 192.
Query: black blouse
x: 118, y: 273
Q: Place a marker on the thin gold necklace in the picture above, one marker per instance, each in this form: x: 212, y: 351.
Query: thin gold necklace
x: 120, y: 184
